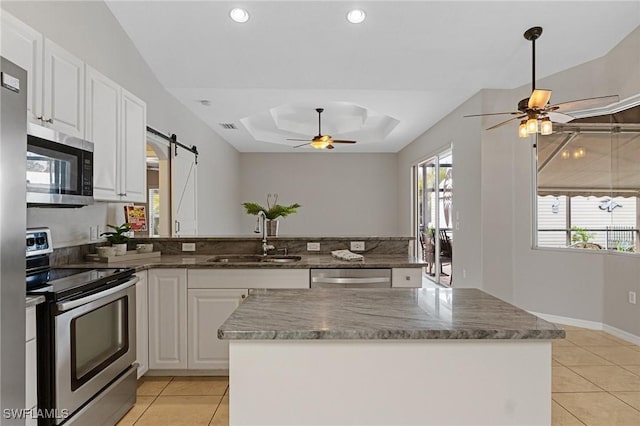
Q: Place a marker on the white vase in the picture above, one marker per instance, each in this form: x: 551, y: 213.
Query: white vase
x: 121, y: 249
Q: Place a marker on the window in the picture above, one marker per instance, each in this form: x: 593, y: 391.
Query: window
x: 588, y: 183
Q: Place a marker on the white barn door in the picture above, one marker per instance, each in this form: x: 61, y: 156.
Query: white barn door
x: 184, y: 203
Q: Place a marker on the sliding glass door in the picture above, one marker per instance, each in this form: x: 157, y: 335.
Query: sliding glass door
x: 434, y: 194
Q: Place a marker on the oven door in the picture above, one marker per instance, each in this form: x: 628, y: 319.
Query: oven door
x: 95, y: 341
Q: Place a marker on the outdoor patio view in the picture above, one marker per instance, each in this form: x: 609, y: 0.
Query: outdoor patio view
x: 589, y: 182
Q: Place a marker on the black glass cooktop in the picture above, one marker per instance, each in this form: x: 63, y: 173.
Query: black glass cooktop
x: 62, y: 283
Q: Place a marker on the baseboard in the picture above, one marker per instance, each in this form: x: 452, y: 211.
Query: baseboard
x: 187, y: 373
x: 591, y: 325
x: 624, y: 335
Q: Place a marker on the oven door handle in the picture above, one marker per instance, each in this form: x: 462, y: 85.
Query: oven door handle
x: 65, y: 306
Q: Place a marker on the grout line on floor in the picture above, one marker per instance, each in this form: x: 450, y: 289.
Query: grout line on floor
x: 567, y: 410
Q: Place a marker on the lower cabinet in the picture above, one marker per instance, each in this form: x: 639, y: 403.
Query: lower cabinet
x: 31, y: 368
x: 142, y: 323
x: 208, y: 309
x: 167, y: 319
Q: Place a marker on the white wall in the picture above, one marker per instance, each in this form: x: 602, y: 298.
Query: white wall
x: 493, y: 195
x: 340, y: 193
x: 88, y: 30
x: 463, y: 136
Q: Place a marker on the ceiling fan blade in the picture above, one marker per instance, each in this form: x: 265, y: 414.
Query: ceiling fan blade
x: 558, y: 117
x: 494, y: 113
x: 342, y: 141
x: 587, y: 103
x: 298, y: 146
x: 300, y: 140
x: 505, y: 122
x: 330, y: 147
x: 539, y: 98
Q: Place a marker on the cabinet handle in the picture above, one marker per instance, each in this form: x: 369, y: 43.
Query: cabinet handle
x: 122, y: 194
x: 50, y: 121
x: 244, y: 296
x: 40, y: 118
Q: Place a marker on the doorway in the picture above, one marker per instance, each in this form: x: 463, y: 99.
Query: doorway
x: 433, y: 226
x: 158, y: 205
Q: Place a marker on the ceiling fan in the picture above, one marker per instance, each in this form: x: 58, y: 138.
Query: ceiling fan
x: 320, y: 141
x: 535, y: 112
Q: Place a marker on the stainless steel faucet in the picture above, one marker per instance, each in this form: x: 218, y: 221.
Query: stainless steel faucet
x: 265, y: 245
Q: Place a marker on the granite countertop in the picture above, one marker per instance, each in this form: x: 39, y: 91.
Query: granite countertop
x: 307, y: 261
x: 399, y: 313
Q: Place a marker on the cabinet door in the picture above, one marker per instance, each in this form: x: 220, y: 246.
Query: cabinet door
x: 208, y: 309
x: 102, y: 128
x: 134, y: 149
x: 63, y: 90
x: 168, y: 319
x: 22, y: 45
x: 142, y: 324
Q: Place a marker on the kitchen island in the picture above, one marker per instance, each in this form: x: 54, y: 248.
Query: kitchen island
x: 387, y: 357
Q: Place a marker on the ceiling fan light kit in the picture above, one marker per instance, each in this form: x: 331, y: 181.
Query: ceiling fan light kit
x: 534, y: 111
x: 321, y: 141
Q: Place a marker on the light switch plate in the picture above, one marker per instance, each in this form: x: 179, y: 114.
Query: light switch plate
x: 357, y: 246
x: 313, y: 246
x: 188, y: 246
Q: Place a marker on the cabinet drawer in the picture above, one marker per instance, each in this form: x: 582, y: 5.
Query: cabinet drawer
x: 30, y: 374
x: 31, y: 323
x: 406, y: 277
x: 248, y: 278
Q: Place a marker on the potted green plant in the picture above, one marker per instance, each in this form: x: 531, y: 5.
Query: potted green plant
x: 581, y: 238
x: 271, y: 213
x: 119, y: 237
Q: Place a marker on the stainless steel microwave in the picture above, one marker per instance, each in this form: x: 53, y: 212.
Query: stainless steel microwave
x: 59, y: 169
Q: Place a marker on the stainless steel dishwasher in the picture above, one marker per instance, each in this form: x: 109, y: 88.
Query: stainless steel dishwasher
x: 351, y: 278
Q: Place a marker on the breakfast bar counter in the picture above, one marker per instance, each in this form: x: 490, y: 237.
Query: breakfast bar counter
x: 387, y: 356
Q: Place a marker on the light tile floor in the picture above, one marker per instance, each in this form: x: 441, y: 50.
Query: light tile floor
x: 596, y: 382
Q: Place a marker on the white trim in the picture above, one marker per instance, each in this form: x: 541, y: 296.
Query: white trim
x: 624, y: 335
x: 591, y: 325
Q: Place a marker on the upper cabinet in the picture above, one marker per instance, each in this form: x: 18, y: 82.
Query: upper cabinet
x: 63, y: 105
x: 116, y: 123
x: 75, y: 99
x: 56, y: 77
x: 22, y: 45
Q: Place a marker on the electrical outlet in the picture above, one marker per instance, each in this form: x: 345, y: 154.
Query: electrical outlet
x: 632, y: 297
x: 188, y: 246
x: 313, y: 246
x: 357, y: 246
x: 464, y: 273
x: 93, y: 233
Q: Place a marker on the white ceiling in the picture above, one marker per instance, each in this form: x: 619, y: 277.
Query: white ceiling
x: 383, y: 82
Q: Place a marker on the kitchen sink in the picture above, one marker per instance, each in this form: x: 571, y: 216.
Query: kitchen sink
x: 251, y: 258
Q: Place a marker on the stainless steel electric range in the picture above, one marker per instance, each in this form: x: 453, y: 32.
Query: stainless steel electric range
x: 86, y: 334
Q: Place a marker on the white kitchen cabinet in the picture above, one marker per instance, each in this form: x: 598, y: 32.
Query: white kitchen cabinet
x: 31, y: 368
x: 250, y: 277
x: 167, y: 319
x: 63, y: 101
x: 55, y: 77
x: 208, y: 309
x: 406, y: 277
x: 133, y: 178
x: 102, y: 128
x: 116, y: 124
x: 142, y: 323
x: 22, y: 45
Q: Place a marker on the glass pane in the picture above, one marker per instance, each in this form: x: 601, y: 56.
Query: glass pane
x: 51, y: 171
x: 97, y: 336
x: 445, y: 212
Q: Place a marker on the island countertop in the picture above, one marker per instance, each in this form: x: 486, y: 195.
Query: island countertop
x: 385, y: 314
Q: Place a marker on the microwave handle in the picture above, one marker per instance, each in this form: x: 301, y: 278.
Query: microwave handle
x: 65, y: 306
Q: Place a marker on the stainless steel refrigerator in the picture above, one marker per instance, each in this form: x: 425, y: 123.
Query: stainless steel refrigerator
x: 13, y: 223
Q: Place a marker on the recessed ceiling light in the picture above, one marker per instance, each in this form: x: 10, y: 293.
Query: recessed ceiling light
x: 239, y: 15
x: 356, y: 16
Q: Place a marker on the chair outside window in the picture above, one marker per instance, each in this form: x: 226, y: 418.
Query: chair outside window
x: 621, y: 238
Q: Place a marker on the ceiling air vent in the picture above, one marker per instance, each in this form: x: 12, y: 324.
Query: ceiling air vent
x: 228, y: 126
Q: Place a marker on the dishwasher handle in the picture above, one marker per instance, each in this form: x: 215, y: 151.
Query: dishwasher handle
x: 369, y: 280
